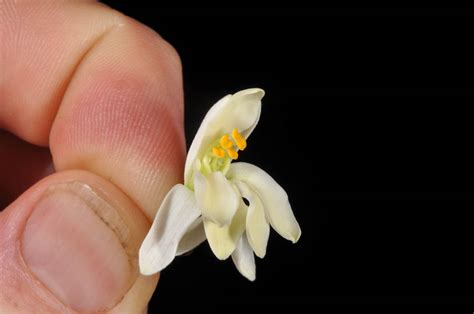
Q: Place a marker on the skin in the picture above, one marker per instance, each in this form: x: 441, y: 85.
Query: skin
x: 88, y: 95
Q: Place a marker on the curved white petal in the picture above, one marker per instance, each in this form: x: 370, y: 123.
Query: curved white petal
x: 223, y: 240
x: 243, y: 259
x: 216, y: 197
x: 241, y: 111
x: 257, y: 227
x: 275, y: 200
x: 193, y: 237
x: 177, y: 212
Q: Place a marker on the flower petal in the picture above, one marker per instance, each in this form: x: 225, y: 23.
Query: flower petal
x: 257, y: 227
x: 216, y: 197
x: 241, y: 111
x: 176, y: 214
x: 243, y: 259
x: 275, y: 200
x: 223, y: 240
x: 193, y: 237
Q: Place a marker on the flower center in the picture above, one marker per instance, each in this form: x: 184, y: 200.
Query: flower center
x: 223, y: 151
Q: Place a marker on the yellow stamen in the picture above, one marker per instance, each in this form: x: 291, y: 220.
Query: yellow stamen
x: 232, y: 153
x: 239, y: 139
x: 225, y: 142
x: 218, y: 152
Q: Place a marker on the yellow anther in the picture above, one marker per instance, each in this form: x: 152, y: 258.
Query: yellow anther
x: 232, y: 153
x: 225, y: 142
x: 218, y: 152
x: 239, y: 139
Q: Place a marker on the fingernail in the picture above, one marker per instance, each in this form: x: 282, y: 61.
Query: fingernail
x: 73, y: 244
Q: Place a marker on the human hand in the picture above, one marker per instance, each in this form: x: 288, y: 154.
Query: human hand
x: 104, y: 94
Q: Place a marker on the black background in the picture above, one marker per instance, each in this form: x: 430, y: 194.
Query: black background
x: 367, y: 124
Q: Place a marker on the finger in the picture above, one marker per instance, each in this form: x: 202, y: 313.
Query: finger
x: 21, y: 165
x: 70, y: 243
x: 102, y: 90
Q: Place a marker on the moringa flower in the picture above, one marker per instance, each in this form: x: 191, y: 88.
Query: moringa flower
x: 211, y: 203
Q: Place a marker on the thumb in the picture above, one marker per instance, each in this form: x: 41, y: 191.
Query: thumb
x: 70, y: 243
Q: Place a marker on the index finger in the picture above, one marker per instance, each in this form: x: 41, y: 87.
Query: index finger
x: 103, y: 91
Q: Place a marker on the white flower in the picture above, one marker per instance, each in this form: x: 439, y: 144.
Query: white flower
x: 210, y: 203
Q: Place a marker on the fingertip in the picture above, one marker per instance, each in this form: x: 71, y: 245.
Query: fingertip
x: 71, y: 243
